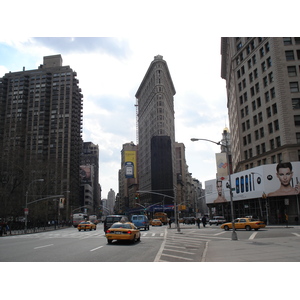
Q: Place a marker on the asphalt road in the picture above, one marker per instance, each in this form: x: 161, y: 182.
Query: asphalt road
x: 159, y: 244
x: 70, y: 245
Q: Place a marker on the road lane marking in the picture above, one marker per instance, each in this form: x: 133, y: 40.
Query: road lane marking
x: 43, y: 246
x: 180, y: 257
x: 252, y: 236
x: 159, y: 253
x: 296, y: 234
x: 222, y: 232
x: 96, y: 248
x: 185, y: 252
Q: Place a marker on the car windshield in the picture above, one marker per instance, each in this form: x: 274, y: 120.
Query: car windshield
x: 128, y: 226
x: 84, y: 223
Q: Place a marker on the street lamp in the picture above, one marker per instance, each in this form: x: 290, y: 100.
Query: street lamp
x: 234, y: 235
x: 26, y: 201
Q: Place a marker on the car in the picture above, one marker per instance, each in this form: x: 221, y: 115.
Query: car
x: 125, y: 231
x: 111, y: 219
x: 156, y: 222
x: 189, y: 220
x: 217, y: 220
x: 140, y: 221
x: 86, y: 225
x: 244, y: 223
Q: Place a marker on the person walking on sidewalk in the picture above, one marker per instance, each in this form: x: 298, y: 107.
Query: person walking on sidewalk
x: 198, y: 222
x: 170, y: 222
x: 204, y: 221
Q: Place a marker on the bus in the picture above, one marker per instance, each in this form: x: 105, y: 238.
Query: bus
x: 162, y: 216
x: 77, y: 218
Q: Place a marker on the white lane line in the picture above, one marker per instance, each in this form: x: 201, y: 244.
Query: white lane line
x: 159, y: 253
x: 252, y: 236
x: 185, y: 252
x: 43, y: 246
x: 96, y: 248
x: 296, y: 234
x: 222, y: 232
x: 185, y: 258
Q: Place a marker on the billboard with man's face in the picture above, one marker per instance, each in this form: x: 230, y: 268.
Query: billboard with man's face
x: 273, y: 180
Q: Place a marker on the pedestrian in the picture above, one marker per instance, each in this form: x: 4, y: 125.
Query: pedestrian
x: 204, y: 221
x: 198, y: 222
x: 170, y: 222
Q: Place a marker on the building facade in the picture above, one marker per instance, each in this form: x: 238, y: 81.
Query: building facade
x: 89, y: 171
x: 40, y: 138
x: 263, y: 100
x: 156, y: 132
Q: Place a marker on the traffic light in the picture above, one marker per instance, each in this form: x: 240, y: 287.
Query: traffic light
x: 137, y: 197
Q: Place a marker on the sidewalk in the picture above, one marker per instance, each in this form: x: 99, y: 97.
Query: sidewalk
x: 283, y: 249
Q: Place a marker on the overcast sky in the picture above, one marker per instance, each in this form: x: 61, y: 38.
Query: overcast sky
x: 110, y: 71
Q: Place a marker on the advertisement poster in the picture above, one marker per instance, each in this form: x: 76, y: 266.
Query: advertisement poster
x: 274, y: 180
x: 130, y: 164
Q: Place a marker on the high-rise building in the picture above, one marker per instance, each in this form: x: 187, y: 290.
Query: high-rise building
x: 40, y: 138
x: 156, y: 132
x: 90, y: 162
x: 263, y: 98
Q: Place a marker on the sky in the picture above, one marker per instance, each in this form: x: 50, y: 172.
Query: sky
x: 110, y: 70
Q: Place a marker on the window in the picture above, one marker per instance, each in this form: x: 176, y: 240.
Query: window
x: 294, y: 87
x: 257, y: 150
x: 297, y: 120
x: 289, y: 55
x: 278, y: 141
x: 262, y: 52
x: 274, y: 109
x: 269, y: 62
x: 255, y: 120
x: 287, y: 41
x: 255, y: 74
x: 272, y: 144
x: 268, y: 112
x: 265, y: 80
x: 297, y: 40
x: 272, y: 90
x: 267, y: 96
x: 296, y: 103
x: 263, y: 66
x: 292, y: 71
x: 258, y: 102
x: 298, y: 137
x: 271, y: 78
x: 260, y: 117
x: 256, y: 134
x: 253, y: 105
x: 276, y: 125
x: 270, y: 126
x: 267, y: 47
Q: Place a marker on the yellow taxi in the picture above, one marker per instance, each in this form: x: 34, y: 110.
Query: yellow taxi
x: 156, y: 222
x: 86, y: 225
x: 244, y: 223
x: 123, y: 231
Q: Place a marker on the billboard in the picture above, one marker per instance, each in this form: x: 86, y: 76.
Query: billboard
x: 86, y: 173
x: 273, y: 180
x: 222, y: 165
x: 130, y: 164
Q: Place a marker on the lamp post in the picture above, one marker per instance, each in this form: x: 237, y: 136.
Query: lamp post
x: 234, y: 235
x: 26, y: 201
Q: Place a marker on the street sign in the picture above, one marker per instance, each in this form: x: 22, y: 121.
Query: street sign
x: 26, y: 211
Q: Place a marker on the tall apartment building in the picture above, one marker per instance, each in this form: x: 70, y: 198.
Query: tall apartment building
x: 90, y: 163
x: 40, y: 138
x: 156, y: 133
x: 128, y: 178
x: 262, y: 79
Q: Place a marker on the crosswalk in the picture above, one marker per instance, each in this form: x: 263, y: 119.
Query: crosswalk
x: 78, y: 235
x: 185, y: 246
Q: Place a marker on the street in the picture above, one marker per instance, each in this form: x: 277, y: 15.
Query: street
x: 159, y: 244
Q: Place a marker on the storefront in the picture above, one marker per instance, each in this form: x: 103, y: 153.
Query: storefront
x: 268, y: 192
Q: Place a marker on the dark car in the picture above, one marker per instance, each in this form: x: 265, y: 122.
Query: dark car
x: 111, y: 219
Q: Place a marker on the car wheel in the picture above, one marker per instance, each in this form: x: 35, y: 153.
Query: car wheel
x: 91, y: 229
x: 109, y: 241
x: 226, y: 227
x: 139, y: 238
x: 133, y: 241
x: 256, y: 229
x: 248, y: 228
x: 79, y: 229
